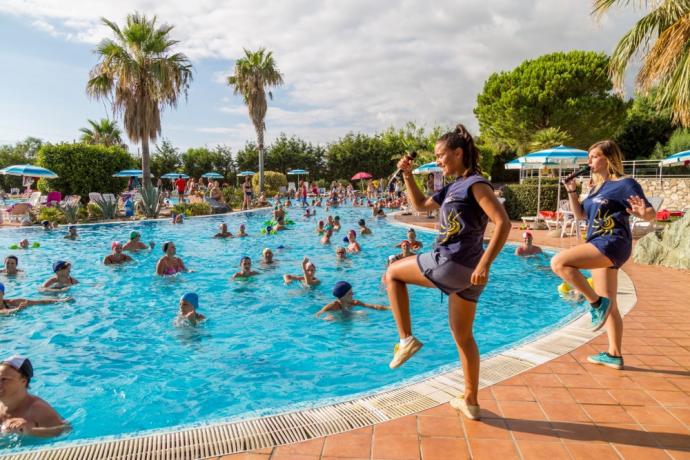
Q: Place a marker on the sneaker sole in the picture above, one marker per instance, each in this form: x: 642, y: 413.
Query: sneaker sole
x: 618, y: 367
x: 606, y: 318
x: 413, y: 351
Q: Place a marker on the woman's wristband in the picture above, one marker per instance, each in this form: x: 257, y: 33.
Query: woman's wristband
x: 572, y: 191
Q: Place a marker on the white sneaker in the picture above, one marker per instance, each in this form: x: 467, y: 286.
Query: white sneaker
x: 469, y: 411
x: 405, y: 352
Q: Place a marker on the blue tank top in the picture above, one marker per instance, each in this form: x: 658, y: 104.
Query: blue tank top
x: 463, y: 222
x: 605, y: 208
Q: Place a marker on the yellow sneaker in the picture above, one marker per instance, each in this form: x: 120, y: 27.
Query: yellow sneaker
x: 469, y: 411
x: 402, y: 354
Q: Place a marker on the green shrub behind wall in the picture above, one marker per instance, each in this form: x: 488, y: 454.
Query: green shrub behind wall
x: 521, y: 199
x: 84, y: 168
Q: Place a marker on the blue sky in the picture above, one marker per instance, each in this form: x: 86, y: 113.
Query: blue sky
x: 348, y: 66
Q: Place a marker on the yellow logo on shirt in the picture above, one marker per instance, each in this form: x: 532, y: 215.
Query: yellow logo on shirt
x: 603, y: 225
x: 453, y: 226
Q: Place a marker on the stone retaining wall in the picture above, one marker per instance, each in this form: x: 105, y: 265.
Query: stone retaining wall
x: 676, y: 191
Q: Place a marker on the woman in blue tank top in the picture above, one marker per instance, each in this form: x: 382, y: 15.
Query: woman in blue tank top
x: 608, y: 244
x: 458, y: 264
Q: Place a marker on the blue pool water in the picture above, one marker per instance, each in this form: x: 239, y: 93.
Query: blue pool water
x: 112, y: 362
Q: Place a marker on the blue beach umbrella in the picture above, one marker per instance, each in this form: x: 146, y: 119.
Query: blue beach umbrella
x: 28, y: 170
x: 298, y: 172
x: 427, y: 168
x: 212, y: 175
x: 173, y: 175
x: 129, y: 173
x: 677, y: 159
x: 246, y: 173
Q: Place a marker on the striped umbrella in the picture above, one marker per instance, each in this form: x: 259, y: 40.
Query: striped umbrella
x: 246, y: 173
x: 130, y: 173
x: 680, y: 158
x: 174, y: 176
x: 28, y: 170
x: 427, y: 168
x: 212, y: 175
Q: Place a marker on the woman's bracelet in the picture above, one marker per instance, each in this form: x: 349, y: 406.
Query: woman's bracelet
x: 572, y: 191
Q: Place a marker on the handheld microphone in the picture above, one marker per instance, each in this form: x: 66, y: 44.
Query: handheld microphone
x: 411, y: 155
x: 573, y: 175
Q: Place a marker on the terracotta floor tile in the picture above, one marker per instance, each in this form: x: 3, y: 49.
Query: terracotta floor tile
x: 630, y: 397
x: 607, y: 414
x: 245, y: 456
x: 628, y: 434
x: 670, y: 398
x: 485, y: 394
x: 564, y: 412
x: 677, y: 436
x: 528, y: 410
x: 581, y: 431
x: 616, y: 381
x: 534, y: 430
x: 347, y: 445
x: 540, y: 450
x: 279, y: 456
x: 589, y: 451
x: 440, y: 426
x: 682, y: 413
x: 542, y: 380
x: 444, y: 410
x: 491, y: 429
x: 344, y: 458
x: 678, y: 453
x: 493, y: 449
x: 513, y: 381
x: 592, y: 396
x: 310, y: 447
x: 489, y: 409
x: 579, y: 381
x: 652, y: 383
x: 652, y: 415
x: 566, y: 368
x: 543, y: 394
x: 641, y: 453
x: 512, y: 393
x: 683, y: 383
x: 444, y: 449
x: 403, y: 425
x: 401, y: 447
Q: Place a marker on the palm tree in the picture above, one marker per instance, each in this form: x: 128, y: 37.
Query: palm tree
x: 140, y: 75
x: 661, y: 36
x: 253, y: 74
x: 104, y: 132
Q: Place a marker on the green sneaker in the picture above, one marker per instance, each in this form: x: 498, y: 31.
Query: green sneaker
x: 605, y: 359
x: 600, y: 314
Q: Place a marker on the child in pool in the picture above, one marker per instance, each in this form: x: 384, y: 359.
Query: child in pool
x: 345, y: 301
x: 245, y: 269
x: 308, y: 271
x: 189, y: 302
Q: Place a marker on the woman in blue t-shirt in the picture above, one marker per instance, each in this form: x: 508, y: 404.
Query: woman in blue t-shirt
x: 458, y: 264
x: 607, y: 208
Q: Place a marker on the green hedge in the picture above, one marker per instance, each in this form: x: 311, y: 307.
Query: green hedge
x: 521, y: 199
x: 84, y: 168
x: 273, y: 180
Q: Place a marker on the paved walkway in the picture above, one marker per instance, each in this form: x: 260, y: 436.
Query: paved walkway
x: 564, y: 409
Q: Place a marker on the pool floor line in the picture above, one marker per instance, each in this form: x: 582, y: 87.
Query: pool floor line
x: 219, y: 439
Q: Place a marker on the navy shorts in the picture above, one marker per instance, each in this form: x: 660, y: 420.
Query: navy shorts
x: 618, y: 250
x: 449, y: 276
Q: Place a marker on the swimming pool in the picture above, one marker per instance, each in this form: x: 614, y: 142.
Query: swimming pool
x: 113, y: 363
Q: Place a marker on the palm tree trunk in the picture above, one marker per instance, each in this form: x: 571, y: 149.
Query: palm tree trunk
x: 260, y: 140
x: 145, y: 169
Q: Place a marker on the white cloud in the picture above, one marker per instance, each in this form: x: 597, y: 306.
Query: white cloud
x: 355, y: 65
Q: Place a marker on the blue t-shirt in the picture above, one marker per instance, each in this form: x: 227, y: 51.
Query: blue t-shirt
x: 463, y: 222
x: 608, y: 225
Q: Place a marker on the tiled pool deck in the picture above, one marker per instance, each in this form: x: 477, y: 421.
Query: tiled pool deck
x: 563, y: 409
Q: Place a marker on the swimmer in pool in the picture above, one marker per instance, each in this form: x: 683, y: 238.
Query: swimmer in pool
x: 177, y: 218
x: 336, y: 223
x: 415, y: 244
x: 320, y: 227
x: 363, y: 229
x: 326, y: 238
x: 267, y: 256
x: 344, y: 300
x: 242, y: 233
x: 11, y: 263
x: 62, y: 279
x: 116, y: 257
x: 170, y: 264
x: 245, y: 268
x: 307, y: 278
x: 24, y: 244
x: 189, y: 303
x: 223, y: 231
x: 330, y: 222
x: 23, y: 413
x: 72, y: 233
x: 527, y: 248
x: 135, y: 244
x: 9, y: 306
x: 406, y: 251
x: 340, y: 253
x: 353, y: 246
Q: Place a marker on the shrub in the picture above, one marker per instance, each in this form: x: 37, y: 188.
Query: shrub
x: 108, y: 208
x: 53, y: 214
x: 84, y: 168
x: 71, y: 212
x: 83, y: 213
x: 273, y: 180
x: 192, y: 209
x: 232, y: 196
x: 94, y: 211
x: 521, y: 199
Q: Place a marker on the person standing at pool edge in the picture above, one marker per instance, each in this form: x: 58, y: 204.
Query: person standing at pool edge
x: 608, y: 245
x: 458, y: 264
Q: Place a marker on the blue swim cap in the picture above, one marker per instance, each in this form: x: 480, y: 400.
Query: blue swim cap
x: 280, y: 246
x: 59, y: 265
x: 341, y: 289
x: 192, y: 298
x: 2, y: 288
x: 346, y: 239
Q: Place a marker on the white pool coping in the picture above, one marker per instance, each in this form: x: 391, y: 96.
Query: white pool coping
x: 224, y: 438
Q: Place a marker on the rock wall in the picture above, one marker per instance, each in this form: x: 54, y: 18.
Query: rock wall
x: 671, y: 248
x: 676, y: 191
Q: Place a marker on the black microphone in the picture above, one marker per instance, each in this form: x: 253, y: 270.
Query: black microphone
x: 411, y: 155
x: 573, y: 175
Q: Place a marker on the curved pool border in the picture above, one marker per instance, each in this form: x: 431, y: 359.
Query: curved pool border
x: 225, y: 438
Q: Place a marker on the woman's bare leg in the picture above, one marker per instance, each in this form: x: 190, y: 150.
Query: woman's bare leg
x: 606, y: 285
x: 401, y: 273
x: 461, y: 318
x: 567, y: 265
